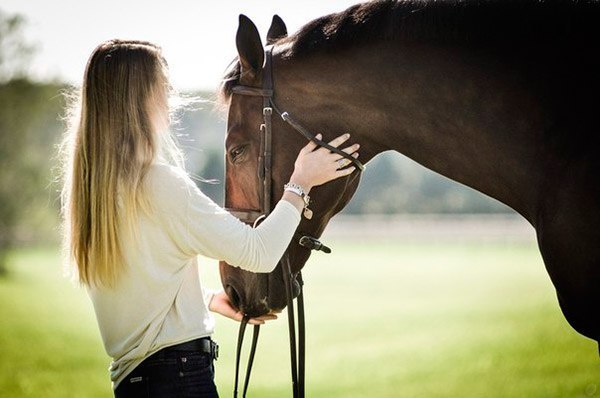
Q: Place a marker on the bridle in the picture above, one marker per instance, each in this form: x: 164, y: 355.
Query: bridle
x: 297, y: 349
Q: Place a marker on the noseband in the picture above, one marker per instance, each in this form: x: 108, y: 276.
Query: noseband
x: 297, y: 351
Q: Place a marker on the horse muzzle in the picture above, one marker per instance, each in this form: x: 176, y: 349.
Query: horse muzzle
x: 256, y: 294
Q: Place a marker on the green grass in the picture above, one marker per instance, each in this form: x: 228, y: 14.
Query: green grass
x: 383, y: 320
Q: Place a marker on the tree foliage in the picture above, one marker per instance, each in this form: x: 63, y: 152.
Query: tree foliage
x: 28, y: 132
x: 15, y: 51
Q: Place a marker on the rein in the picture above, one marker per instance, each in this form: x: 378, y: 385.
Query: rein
x: 297, y: 348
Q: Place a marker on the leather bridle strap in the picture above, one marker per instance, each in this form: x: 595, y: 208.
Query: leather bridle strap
x: 301, y: 337
x: 296, y: 355
x: 252, y: 91
x: 311, y: 137
x: 238, y: 355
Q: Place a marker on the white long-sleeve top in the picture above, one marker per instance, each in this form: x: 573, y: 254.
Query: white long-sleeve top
x: 158, y: 300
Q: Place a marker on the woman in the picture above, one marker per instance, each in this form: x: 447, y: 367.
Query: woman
x: 135, y: 223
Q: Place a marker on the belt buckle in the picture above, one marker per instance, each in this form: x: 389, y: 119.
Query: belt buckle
x: 214, y: 350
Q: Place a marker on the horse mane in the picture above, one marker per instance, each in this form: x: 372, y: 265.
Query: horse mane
x: 468, y: 22
x: 489, y: 23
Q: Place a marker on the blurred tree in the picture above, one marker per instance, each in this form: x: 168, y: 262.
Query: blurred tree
x: 28, y: 131
x: 15, y: 51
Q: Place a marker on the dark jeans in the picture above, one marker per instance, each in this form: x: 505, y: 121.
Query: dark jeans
x: 171, y: 372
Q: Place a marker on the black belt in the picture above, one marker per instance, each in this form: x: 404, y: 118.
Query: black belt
x: 204, y: 344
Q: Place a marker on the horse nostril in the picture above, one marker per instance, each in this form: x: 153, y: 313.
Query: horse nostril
x: 234, y: 297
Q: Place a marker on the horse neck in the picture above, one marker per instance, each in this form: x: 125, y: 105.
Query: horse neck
x: 462, y: 115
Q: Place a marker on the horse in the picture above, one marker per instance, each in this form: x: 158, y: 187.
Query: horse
x: 499, y: 95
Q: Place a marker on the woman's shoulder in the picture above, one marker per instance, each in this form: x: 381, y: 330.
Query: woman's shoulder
x: 165, y: 181
x: 167, y: 173
x: 170, y: 188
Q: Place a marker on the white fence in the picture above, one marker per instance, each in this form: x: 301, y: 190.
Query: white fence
x: 507, y: 228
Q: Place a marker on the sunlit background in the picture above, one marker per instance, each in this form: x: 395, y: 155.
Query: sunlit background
x: 196, y: 36
x: 432, y: 289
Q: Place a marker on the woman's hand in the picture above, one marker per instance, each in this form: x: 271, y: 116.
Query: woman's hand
x: 317, y: 165
x: 221, y: 305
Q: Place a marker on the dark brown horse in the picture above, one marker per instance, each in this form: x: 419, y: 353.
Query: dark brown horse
x: 499, y: 95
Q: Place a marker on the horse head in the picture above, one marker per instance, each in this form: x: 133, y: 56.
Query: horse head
x: 257, y: 294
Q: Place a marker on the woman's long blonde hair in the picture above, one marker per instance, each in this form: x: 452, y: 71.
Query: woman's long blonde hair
x: 119, y: 127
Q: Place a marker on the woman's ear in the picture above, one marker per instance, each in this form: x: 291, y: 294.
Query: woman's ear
x: 250, y: 50
x: 277, y: 30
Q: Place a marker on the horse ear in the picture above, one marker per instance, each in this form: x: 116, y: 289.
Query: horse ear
x: 250, y: 48
x: 277, y: 30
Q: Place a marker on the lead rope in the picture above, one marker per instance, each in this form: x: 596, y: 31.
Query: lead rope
x: 238, y: 355
x: 297, y: 352
x: 251, y: 359
x: 291, y: 326
x: 301, y: 337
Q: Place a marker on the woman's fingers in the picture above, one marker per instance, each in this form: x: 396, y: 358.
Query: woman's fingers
x: 235, y: 315
x: 260, y: 320
x: 318, y: 165
x: 266, y: 317
x: 339, y: 140
x: 311, y: 146
x: 345, y: 172
x: 351, y: 149
x: 343, y: 162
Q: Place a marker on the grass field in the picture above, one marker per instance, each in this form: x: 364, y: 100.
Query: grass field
x: 383, y: 320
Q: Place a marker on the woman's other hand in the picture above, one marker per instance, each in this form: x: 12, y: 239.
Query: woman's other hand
x: 221, y: 305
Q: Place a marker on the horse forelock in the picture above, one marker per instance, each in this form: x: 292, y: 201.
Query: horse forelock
x: 231, y: 79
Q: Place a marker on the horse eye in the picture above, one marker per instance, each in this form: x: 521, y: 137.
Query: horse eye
x: 237, y: 152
